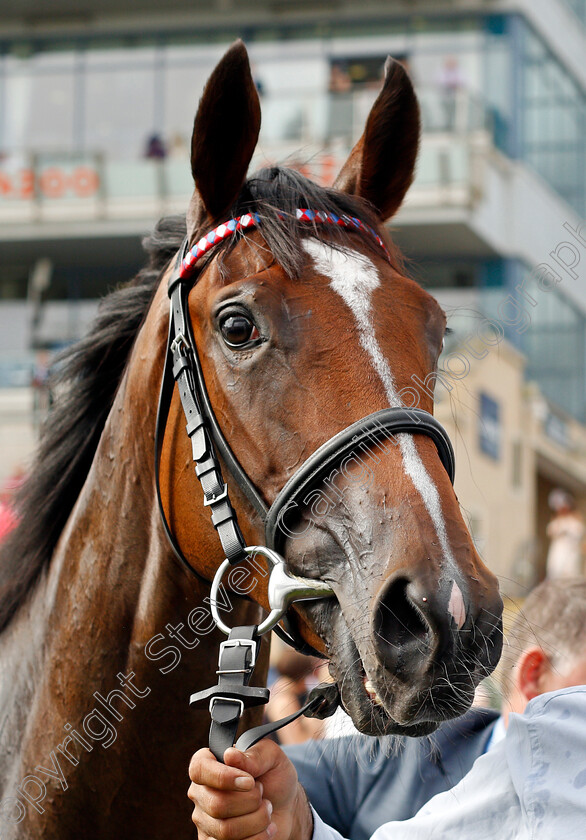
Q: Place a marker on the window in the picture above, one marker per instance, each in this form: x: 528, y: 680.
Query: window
x: 119, y: 107
x: 553, y: 114
x: 39, y: 96
x: 555, y: 346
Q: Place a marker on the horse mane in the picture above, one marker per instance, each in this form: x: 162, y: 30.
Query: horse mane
x: 85, y: 379
x: 86, y: 375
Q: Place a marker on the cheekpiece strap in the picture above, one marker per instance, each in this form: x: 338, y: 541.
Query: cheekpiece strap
x: 207, y: 466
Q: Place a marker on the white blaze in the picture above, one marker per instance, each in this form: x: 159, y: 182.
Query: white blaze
x: 354, y: 277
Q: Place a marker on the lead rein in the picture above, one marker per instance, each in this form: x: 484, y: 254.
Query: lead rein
x: 228, y: 699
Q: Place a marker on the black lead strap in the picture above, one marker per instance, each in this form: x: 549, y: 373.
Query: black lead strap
x: 228, y: 699
x: 232, y: 694
x: 322, y: 702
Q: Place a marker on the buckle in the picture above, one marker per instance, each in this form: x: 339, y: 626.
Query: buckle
x: 178, y: 342
x: 226, y: 700
x: 234, y: 643
x: 218, y: 497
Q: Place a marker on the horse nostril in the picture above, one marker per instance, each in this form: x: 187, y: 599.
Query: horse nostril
x: 403, y: 635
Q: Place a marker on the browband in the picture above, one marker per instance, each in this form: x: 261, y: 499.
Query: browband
x: 251, y: 220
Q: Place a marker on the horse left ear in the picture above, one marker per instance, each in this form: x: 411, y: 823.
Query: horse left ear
x: 225, y: 134
x: 382, y: 164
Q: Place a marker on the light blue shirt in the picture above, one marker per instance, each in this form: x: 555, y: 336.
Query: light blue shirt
x: 498, y: 733
x: 529, y: 786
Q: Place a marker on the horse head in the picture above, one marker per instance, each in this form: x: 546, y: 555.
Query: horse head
x: 302, y: 330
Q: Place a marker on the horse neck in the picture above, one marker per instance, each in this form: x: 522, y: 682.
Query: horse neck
x: 112, y: 602
x: 112, y: 550
x: 114, y: 568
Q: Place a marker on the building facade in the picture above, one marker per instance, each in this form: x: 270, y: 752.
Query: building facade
x: 96, y: 110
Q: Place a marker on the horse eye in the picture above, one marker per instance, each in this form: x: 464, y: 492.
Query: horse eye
x: 238, y: 330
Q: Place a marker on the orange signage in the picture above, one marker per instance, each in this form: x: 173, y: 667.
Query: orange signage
x: 51, y: 182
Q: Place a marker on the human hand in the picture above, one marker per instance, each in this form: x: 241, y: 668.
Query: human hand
x: 252, y: 796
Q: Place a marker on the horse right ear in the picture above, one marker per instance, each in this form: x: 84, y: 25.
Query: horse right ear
x: 382, y: 164
x: 225, y: 134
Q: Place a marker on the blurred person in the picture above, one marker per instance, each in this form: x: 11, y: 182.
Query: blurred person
x: 450, y: 76
x: 291, y: 677
x: 566, y: 532
x: 8, y: 517
x: 340, y: 104
x: 178, y: 147
x: 356, y: 785
x: 450, y: 80
x: 41, y: 387
x: 155, y: 148
x: 340, y: 81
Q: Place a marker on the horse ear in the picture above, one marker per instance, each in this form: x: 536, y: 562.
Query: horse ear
x: 382, y: 164
x: 225, y: 134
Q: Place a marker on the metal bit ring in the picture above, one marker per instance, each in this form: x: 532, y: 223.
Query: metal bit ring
x: 283, y: 589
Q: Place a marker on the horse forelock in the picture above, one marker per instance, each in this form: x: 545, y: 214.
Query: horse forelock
x: 275, y: 193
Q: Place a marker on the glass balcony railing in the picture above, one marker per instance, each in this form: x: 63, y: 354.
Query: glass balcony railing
x: 312, y: 133
x: 324, y: 119
x: 579, y: 9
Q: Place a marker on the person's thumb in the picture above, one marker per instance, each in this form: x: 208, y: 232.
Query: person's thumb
x: 257, y: 761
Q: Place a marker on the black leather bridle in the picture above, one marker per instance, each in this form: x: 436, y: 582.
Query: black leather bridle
x: 183, y: 367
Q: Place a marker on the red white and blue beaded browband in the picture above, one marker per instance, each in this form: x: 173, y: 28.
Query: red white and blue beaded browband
x: 251, y: 220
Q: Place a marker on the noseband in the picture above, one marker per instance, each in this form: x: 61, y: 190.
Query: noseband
x: 182, y: 366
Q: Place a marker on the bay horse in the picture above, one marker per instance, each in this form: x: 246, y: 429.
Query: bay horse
x: 302, y: 329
